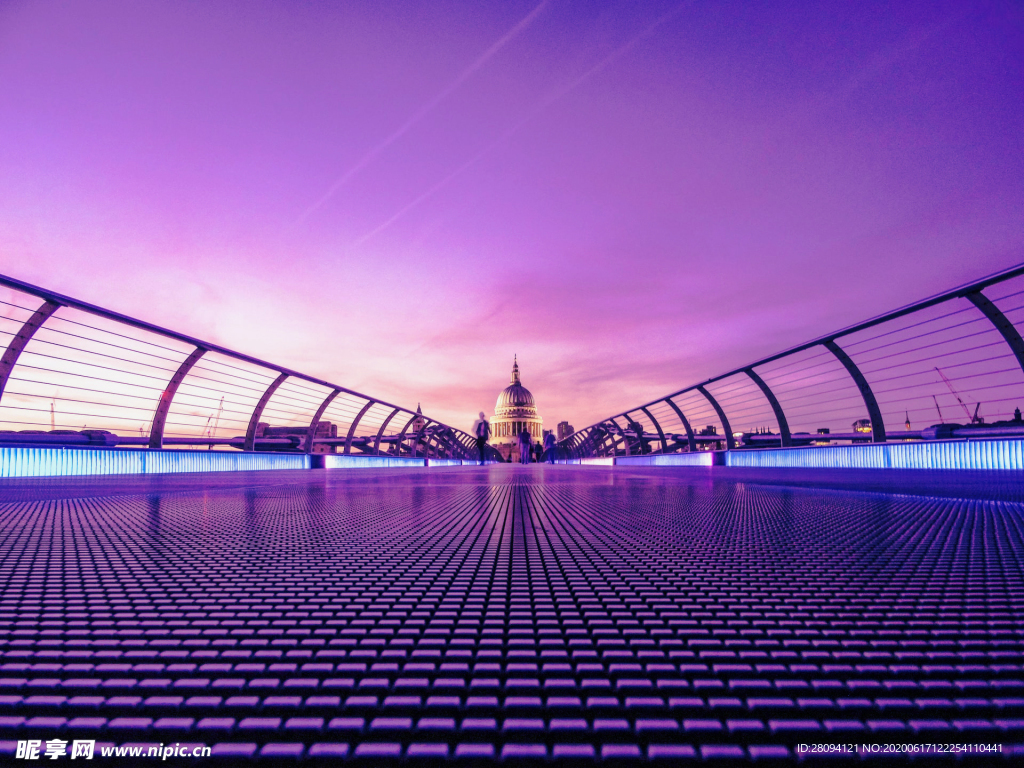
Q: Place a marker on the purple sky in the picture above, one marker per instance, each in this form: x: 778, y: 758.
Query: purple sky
x: 399, y: 196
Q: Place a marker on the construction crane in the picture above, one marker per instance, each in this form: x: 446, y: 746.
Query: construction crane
x: 975, y: 418
x: 216, y: 422
x: 212, y: 431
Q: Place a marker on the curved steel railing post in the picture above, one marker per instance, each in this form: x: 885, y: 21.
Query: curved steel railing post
x: 609, y: 441
x: 686, y: 425
x: 441, y: 449
x: 638, y: 429
x: 780, y: 417
x: 625, y: 439
x: 431, y: 444
x: 424, y: 441
x: 315, y: 421
x: 657, y: 426
x: 585, y: 441
x: 380, y: 432
x: 443, y: 445
x: 417, y: 437
x: 355, y: 423
x: 156, y: 431
x: 730, y: 442
x: 572, y: 444
x: 877, y: 426
x: 21, y: 340
x: 622, y: 435
x: 1006, y: 329
x: 250, y: 433
x: 456, y: 444
x: 401, y: 435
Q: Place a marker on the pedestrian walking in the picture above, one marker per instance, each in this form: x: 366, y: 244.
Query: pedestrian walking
x: 525, y: 443
x: 482, y: 431
x: 549, y: 448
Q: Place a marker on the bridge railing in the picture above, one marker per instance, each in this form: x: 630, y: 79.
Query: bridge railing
x: 949, y: 366
x: 75, y: 374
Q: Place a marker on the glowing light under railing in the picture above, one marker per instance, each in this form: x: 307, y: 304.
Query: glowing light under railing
x: 932, y: 454
x: 68, y: 462
x: 998, y: 454
x: 371, y: 462
x: 699, y: 459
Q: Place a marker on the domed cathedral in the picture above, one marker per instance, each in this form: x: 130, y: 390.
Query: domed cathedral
x: 514, y: 411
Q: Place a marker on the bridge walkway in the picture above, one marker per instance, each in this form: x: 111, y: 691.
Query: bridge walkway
x: 517, y: 613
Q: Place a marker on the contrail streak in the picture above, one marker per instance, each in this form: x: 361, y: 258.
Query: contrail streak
x: 423, y: 111
x: 532, y: 113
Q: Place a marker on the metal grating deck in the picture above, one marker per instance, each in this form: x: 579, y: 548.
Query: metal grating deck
x: 509, y: 613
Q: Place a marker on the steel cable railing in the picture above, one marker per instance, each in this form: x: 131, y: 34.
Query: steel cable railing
x: 74, y: 374
x: 948, y: 366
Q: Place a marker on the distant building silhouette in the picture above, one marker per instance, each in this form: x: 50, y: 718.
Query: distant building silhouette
x: 324, y: 429
x: 418, y: 423
x: 564, y: 430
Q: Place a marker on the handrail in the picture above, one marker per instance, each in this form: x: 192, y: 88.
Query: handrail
x: 110, y: 382
x: 971, y: 373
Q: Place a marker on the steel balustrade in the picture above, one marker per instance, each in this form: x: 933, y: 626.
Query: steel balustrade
x: 116, y: 369
x: 913, y: 358
x: 352, y: 426
x: 921, y: 362
x: 315, y: 422
x: 156, y: 433
x: 17, y: 345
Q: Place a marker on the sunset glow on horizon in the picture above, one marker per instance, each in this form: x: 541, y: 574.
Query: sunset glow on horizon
x: 629, y: 197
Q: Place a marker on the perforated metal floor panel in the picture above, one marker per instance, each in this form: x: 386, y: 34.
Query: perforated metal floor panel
x: 508, y: 613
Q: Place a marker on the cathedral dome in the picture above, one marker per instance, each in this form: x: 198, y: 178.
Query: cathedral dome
x: 515, y: 396
x: 515, y: 411
x: 515, y: 399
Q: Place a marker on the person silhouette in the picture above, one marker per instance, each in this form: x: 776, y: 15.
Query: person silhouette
x: 525, y: 443
x: 482, y: 431
x: 549, y: 448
